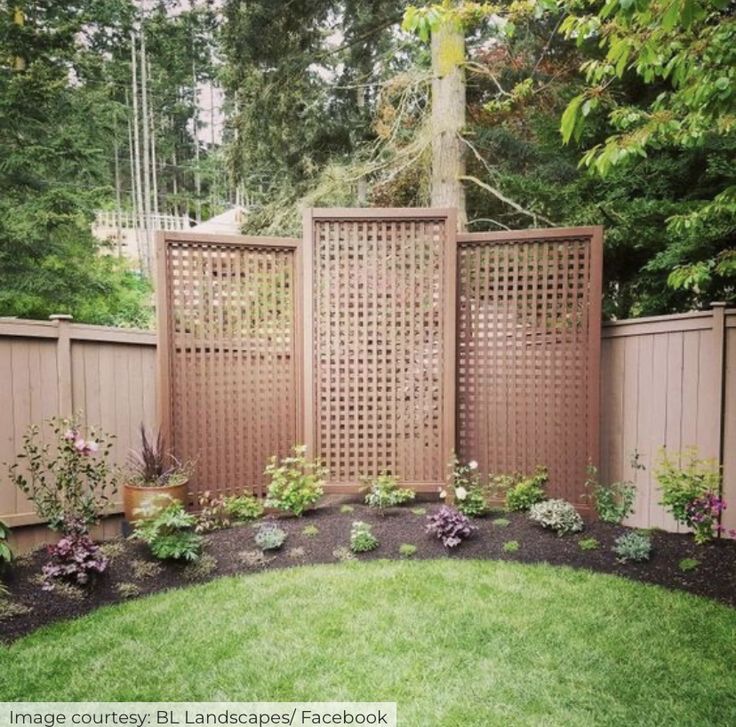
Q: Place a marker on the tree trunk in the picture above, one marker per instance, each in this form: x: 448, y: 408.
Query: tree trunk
x: 448, y: 118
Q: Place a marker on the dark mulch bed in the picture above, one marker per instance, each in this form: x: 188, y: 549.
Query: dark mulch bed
x: 715, y: 577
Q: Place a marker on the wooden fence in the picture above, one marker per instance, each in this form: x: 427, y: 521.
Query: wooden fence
x: 666, y: 381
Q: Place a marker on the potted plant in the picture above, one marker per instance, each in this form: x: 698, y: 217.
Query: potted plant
x: 153, y: 472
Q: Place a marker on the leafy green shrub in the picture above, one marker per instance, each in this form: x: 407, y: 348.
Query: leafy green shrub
x: 464, y: 485
x: 557, y: 515
x: 270, y: 536
x: 296, y: 482
x: 385, y: 492
x: 588, y: 544
x: 688, y: 564
x: 691, y: 492
x: 170, y: 533
x: 242, y: 508
x: 527, y: 490
x: 407, y: 550
x: 70, y: 482
x: 614, y: 502
x: 361, y: 538
x: 501, y: 522
x: 6, y: 554
x: 310, y: 531
x: 633, y: 546
x: 511, y: 546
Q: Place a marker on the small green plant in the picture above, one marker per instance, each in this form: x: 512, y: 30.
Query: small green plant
x: 296, y: 553
x: 511, y: 546
x: 557, y: 515
x: 242, y: 508
x: 346, y: 509
x: 527, y: 490
x: 12, y: 609
x: 70, y: 482
x: 614, y: 502
x: 6, y: 554
x: 200, y: 568
x: 419, y: 511
x: 144, y: 569
x: 407, y: 550
x: 465, y: 488
x: 69, y: 591
x: 269, y: 536
x: 170, y: 533
x: 128, y: 590
x: 310, y: 531
x: 501, y: 522
x: 691, y: 492
x: 635, y: 546
x: 686, y: 565
x: 254, y: 558
x: 588, y: 544
x: 113, y: 549
x: 343, y: 554
x: 296, y: 482
x: 361, y: 538
x: 212, y: 513
x: 385, y: 492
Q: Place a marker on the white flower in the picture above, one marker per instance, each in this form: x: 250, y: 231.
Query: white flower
x: 461, y: 493
x: 92, y: 446
x: 473, y: 465
x: 443, y: 494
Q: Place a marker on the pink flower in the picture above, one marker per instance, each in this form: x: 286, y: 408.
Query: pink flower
x: 79, y: 445
x: 70, y: 435
x: 91, y: 447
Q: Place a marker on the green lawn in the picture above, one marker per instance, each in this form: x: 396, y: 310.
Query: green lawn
x: 453, y: 642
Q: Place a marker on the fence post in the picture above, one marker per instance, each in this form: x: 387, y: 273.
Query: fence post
x: 719, y: 343
x: 64, y: 363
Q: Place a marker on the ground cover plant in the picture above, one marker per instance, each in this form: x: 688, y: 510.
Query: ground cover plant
x: 362, y: 538
x: 269, y: 536
x: 634, y: 546
x: 557, y: 515
x: 332, y: 639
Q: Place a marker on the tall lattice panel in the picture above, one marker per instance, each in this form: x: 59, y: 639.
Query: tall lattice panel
x: 229, y: 364
x: 528, y: 352
x: 381, y: 344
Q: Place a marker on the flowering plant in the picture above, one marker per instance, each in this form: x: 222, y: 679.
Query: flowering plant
x: 450, y: 526
x: 464, y: 488
x: 703, y: 514
x: 76, y: 558
x: 70, y: 482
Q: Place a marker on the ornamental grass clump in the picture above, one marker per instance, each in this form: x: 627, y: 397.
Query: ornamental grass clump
x: 450, y: 526
x: 385, y: 493
x: 362, y: 538
x: 557, y: 515
x: 296, y: 482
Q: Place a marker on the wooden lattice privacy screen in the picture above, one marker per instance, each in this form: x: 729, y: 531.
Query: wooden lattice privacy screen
x: 380, y: 292
x: 383, y: 340
x: 529, y: 311
x: 229, y: 354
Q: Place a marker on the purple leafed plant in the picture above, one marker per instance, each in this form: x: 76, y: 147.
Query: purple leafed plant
x: 76, y: 558
x: 449, y: 525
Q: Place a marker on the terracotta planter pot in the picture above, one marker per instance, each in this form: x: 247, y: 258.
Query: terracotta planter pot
x: 136, y: 498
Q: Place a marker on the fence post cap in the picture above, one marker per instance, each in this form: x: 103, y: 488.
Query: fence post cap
x: 61, y: 317
x: 718, y: 304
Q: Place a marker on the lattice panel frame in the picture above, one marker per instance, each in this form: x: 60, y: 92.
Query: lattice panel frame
x: 380, y: 353
x: 528, y: 353
x: 230, y: 356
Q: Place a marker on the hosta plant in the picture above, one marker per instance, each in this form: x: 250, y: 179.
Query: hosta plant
x: 361, y: 538
x: 269, y: 536
x: 557, y: 515
x: 464, y: 488
x: 69, y: 481
x: 385, y: 492
x: 450, y: 526
x: 75, y: 559
x: 296, y: 482
x: 170, y: 532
